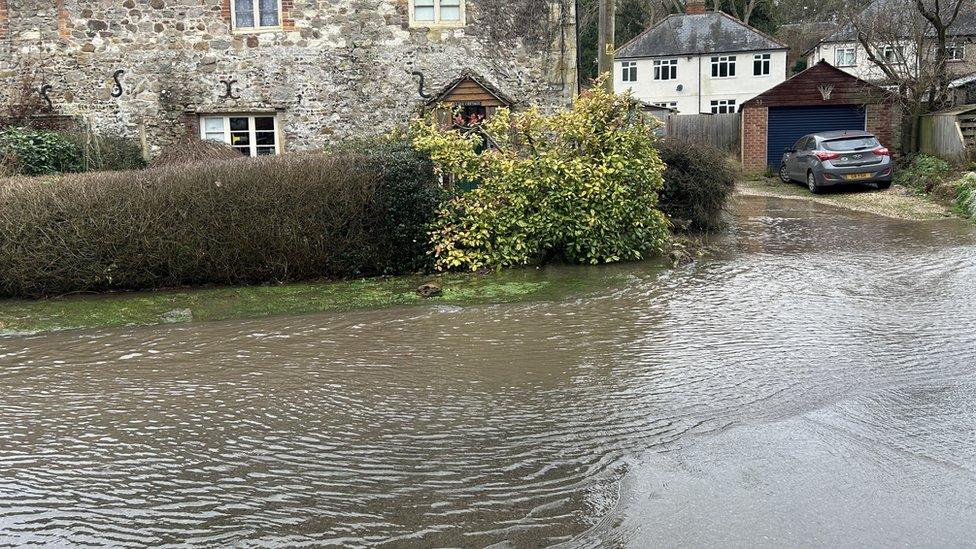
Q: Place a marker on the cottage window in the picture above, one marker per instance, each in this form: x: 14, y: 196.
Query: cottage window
x: 760, y: 64
x: 723, y: 66
x: 845, y: 57
x: 723, y: 106
x: 256, y: 14
x: 955, y: 52
x: 629, y: 71
x: 665, y: 69
x: 893, y: 54
x: 255, y: 135
x: 436, y: 12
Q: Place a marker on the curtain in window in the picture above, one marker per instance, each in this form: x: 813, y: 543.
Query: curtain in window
x: 269, y: 13
x: 244, y: 13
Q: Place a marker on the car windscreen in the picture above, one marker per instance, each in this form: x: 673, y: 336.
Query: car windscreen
x: 851, y: 144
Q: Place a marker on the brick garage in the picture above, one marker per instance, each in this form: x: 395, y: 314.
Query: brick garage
x: 821, y: 98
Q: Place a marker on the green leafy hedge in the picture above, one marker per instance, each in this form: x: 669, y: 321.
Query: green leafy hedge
x: 579, y: 185
x: 36, y: 152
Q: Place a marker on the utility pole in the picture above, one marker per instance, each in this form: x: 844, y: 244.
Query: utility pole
x: 608, y: 12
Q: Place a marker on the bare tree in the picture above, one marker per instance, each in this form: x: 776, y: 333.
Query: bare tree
x: 906, y: 42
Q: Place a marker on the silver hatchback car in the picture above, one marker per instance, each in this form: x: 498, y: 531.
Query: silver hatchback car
x: 837, y: 158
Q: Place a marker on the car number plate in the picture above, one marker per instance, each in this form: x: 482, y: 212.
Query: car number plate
x: 858, y: 176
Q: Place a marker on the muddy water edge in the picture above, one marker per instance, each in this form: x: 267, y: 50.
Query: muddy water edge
x: 811, y: 383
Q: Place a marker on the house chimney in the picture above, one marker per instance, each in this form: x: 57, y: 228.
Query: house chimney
x: 695, y: 7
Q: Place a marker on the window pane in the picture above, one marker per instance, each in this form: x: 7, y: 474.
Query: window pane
x: 423, y: 13
x: 238, y: 123
x: 264, y: 123
x: 215, y: 125
x: 264, y: 138
x: 240, y: 139
x: 450, y: 13
x: 215, y: 136
x: 269, y: 13
x: 244, y: 13
x: 246, y: 151
x: 266, y: 151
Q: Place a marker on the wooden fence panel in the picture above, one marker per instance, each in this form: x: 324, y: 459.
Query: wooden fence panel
x: 718, y: 130
x: 941, y: 136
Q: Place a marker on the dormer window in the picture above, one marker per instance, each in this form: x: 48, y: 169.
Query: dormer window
x: 434, y: 13
x: 256, y: 15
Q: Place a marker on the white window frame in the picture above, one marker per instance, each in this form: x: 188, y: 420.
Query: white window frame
x: 628, y: 71
x: 666, y: 104
x: 894, y: 55
x: 717, y: 61
x: 437, y: 21
x: 722, y: 106
x: 255, y: 4
x: 252, y: 130
x: 955, y: 52
x: 852, y: 51
x: 665, y: 69
x: 765, y: 61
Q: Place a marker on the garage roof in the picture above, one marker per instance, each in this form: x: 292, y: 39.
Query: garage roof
x: 821, y: 84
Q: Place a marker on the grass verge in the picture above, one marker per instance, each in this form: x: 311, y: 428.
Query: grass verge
x: 242, y: 302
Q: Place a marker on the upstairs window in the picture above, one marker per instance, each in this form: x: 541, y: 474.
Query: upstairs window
x: 845, y: 57
x: 629, y: 71
x: 666, y: 69
x: 723, y: 106
x: 256, y: 14
x: 426, y: 13
x: 760, y: 64
x: 955, y: 52
x: 723, y: 66
x: 893, y: 54
x: 255, y: 135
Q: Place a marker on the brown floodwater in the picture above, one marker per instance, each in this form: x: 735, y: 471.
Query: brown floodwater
x: 811, y: 384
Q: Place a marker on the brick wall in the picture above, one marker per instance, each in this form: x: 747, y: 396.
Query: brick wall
x: 754, y: 122
x: 884, y: 121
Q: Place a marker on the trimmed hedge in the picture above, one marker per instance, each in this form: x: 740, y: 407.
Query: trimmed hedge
x: 698, y: 182
x: 271, y: 219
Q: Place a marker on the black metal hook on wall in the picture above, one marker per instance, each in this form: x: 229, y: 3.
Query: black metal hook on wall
x: 45, y: 89
x: 117, y: 92
x: 229, y: 92
x: 420, y: 86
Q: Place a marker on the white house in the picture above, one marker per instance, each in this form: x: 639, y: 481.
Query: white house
x: 843, y: 50
x: 699, y: 62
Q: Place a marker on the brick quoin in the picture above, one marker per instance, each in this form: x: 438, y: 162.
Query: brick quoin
x: 754, y: 121
x: 4, y: 18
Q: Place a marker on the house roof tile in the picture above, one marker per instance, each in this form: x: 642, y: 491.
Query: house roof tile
x: 712, y: 32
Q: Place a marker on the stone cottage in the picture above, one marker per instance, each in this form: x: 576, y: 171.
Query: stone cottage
x: 274, y: 75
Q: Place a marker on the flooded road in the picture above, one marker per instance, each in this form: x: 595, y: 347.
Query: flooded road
x: 812, y: 384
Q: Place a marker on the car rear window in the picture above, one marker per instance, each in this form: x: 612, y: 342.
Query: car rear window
x: 851, y: 144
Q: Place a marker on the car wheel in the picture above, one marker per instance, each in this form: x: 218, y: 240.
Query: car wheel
x: 784, y: 174
x: 882, y: 185
x: 812, y: 183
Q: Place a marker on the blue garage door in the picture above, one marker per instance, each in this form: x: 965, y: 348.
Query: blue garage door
x: 787, y: 124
